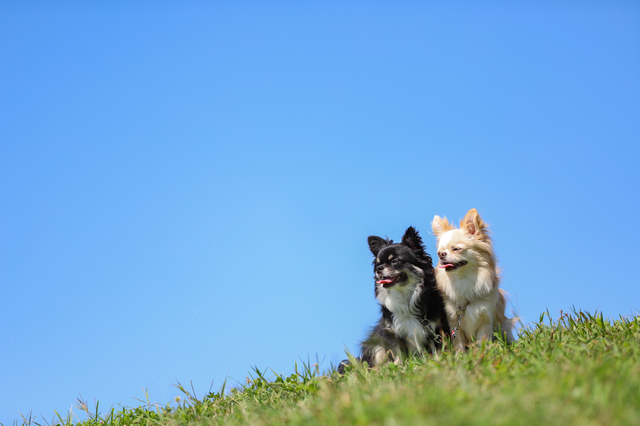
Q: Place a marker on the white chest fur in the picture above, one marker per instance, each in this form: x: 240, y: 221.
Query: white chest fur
x: 461, y: 289
x: 401, y: 301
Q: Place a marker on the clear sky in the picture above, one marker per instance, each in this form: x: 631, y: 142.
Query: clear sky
x: 186, y: 190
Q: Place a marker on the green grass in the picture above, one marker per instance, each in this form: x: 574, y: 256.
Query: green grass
x: 581, y: 369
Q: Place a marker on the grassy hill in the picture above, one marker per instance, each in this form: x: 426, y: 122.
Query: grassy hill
x: 580, y: 369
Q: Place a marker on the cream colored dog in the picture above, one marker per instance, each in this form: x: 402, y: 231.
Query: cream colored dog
x: 468, y: 279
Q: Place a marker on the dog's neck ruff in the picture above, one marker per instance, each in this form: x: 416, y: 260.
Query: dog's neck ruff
x: 400, y: 300
x: 407, y: 320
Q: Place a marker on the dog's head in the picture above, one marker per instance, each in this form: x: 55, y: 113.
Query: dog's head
x: 469, y: 245
x: 400, y: 264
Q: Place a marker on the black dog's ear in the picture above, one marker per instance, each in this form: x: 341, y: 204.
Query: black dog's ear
x: 412, y: 239
x: 376, y: 243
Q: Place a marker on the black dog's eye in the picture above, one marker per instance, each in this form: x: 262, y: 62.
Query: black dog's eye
x: 395, y: 261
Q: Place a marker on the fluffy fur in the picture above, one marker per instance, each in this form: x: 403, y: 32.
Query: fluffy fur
x: 412, y: 310
x: 468, y: 279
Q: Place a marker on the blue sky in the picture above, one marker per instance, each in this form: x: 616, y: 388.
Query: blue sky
x: 186, y: 190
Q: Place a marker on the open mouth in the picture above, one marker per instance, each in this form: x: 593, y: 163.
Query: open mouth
x: 451, y: 266
x: 390, y: 282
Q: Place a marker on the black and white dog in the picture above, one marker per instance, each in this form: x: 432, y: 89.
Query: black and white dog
x: 413, y: 318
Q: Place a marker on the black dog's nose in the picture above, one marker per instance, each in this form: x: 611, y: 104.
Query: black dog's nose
x: 379, y: 267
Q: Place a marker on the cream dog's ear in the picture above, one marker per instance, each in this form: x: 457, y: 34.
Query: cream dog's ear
x: 440, y: 226
x: 474, y: 225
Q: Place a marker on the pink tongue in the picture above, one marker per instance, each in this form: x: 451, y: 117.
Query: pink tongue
x: 445, y: 266
x: 385, y: 281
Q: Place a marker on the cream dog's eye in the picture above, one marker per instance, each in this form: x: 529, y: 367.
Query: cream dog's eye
x: 456, y: 249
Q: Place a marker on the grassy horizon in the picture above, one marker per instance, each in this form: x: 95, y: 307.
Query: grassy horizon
x: 579, y: 369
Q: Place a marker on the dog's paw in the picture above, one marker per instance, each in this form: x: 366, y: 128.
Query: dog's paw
x: 343, y: 365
